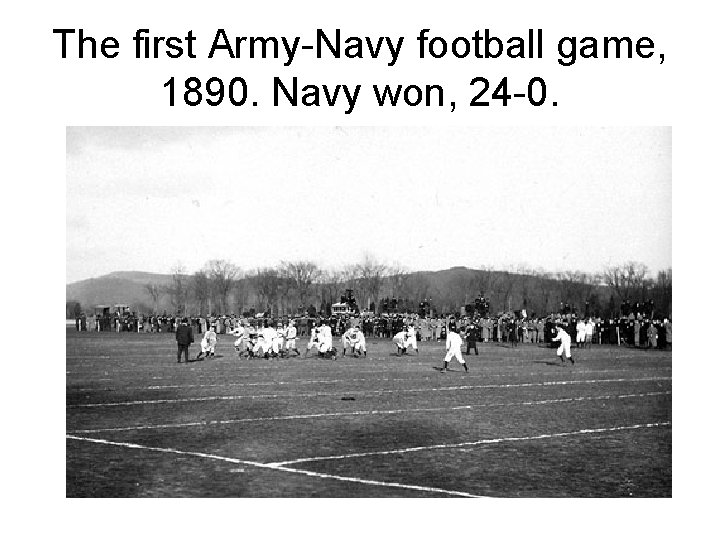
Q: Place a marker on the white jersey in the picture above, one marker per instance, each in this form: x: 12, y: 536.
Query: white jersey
x: 357, y: 340
x: 562, y: 336
x: 453, y: 341
x: 314, y: 337
x: 411, y: 337
x: 325, y: 338
x: 453, y: 345
x: 211, y: 337
x: 238, y: 332
x: 207, y: 343
x: 269, y: 334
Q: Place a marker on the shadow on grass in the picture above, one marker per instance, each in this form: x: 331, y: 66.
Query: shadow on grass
x: 440, y: 369
x: 547, y: 363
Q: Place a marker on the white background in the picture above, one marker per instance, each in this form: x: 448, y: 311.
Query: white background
x: 42, y: 94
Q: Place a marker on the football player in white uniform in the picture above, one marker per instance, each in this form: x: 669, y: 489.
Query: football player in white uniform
x: 240, y: 342
x: 564, y: 338
x: 357, y: 342
x: 346, y: 339
x: 399, y: 340
x: 270, y: 337
x: 325, y: 347
x: 313, y: 340
x: 453, y: 345
x: 411, y: 339
x: 280, y: 339
x: 264, y: 341
x: 290, y: 337
x: 207, y: 344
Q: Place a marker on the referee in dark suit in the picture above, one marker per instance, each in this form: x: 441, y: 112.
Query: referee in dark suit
x: 471, y: 337
x: 184, y: 337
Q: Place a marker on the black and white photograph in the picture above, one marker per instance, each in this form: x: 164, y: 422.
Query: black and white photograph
x: 368, y: 312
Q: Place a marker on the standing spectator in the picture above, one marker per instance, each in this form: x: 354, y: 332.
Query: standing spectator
x: 540, y: 326
x: 580, y: 333
x: 652, y: 334
x: 471, y: 337
x: 511, y: 329
x: 486, y: 329
x: 589, y: 332
x: 636, y: 329
x: 184, y: 337
x: 203, y: 325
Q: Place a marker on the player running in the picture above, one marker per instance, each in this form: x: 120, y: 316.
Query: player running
x: 564, y: 338
x: 453, y: 344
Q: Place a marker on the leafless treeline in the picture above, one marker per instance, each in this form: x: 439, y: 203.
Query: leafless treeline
x: 222, y: 287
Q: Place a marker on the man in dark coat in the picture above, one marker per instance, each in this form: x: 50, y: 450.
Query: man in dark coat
x: 472, y: 335
x: 184, y: 337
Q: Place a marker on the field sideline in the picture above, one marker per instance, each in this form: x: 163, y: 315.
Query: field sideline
x: 519, y: 424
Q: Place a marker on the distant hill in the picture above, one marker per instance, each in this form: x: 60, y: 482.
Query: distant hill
x: 140, y: 277
x: 128, y: 287
x: 447, y: 291
x: 114, y: 288
x: 449, y: 288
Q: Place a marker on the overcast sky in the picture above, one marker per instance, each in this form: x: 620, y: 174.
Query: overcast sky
x: 426, y: 198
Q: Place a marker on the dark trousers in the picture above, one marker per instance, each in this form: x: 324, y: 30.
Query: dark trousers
x: 182, y: 349
x: 471, y: 345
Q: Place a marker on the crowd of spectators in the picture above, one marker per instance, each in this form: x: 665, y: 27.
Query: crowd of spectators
x: 635, y: 329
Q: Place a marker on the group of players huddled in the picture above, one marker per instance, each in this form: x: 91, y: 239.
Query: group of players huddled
x: 273, y: 341
x: 280, y: 340
x: 277, y: 341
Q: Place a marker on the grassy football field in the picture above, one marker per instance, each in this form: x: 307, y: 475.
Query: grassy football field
x: 519, y: 424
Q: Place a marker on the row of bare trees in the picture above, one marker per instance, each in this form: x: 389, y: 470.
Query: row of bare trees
x: 294, y: 286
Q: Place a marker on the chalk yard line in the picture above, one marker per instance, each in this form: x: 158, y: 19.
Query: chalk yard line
x: 214, y: 368
x: 211, y: 423
x: 482, y: 375
x: 364, y: 392
x: 275, y: 467
x: 473, y: 443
